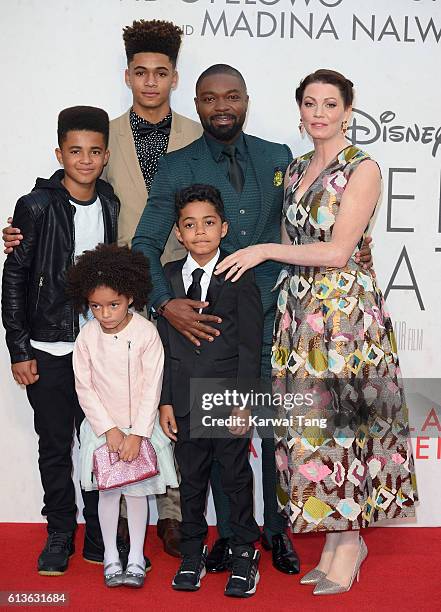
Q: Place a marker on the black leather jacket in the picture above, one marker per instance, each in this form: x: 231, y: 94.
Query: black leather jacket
x: 34, y: 304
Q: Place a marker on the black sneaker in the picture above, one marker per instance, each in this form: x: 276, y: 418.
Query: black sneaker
x: 54, y: 557
x: 192, y: 569
x: 93, y: 548
x: 244, y: 573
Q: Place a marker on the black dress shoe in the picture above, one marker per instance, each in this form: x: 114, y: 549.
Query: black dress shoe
x: 169, y: 531
x: 219, y: 557
x: 54, y: 558
x: 285, y: 558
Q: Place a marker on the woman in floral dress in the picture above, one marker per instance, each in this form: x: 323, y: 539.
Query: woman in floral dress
x: 344, y: 457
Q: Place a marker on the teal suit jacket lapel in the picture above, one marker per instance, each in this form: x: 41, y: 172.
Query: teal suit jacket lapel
x: 201, y: 162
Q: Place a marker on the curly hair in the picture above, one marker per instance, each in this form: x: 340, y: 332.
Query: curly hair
x: 109, y: 265
x: 153, y: 36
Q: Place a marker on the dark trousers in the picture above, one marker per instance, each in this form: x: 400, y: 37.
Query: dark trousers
x: 274, y: 522
x: 195, y: 457
x: 57, y: 414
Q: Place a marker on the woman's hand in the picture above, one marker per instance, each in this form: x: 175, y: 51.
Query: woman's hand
x: 129, y: 447
x: 114, y: 438
x: 242, y: 260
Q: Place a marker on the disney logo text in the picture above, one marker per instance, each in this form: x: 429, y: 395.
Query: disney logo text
x: 365, y: 129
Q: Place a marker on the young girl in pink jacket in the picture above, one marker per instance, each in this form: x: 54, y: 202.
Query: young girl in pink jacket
x: 118, y: 363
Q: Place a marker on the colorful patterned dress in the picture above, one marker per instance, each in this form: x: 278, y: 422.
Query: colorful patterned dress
x: 343, y: 455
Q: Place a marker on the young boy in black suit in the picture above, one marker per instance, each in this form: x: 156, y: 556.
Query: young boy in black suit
x: 235, y: 354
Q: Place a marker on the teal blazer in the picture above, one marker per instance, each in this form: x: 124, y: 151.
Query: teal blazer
x: 194, y: 164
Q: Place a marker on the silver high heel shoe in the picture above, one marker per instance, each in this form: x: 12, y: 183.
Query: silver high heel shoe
x: 313, y: 577
x: 327, y: 587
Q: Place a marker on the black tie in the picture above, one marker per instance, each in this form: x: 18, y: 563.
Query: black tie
x: 194, y: 292
x: 235, y: 173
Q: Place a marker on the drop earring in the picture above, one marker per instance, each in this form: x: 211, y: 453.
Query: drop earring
x: 344, y: 127
x: 301, y: 127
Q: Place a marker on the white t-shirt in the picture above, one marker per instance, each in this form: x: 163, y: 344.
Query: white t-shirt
x: 89, y: 232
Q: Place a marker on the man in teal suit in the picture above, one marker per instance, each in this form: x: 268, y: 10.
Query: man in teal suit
x: 249, y: 172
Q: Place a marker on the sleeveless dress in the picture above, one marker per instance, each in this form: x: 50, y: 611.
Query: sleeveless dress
x: 343, y: 453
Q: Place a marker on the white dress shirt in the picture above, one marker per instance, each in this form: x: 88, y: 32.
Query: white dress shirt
x: 188, y: 268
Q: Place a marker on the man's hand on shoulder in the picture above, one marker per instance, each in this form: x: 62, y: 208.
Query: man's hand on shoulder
x: 11, y: 237
x: 183, y: 315
x: 25, y: 372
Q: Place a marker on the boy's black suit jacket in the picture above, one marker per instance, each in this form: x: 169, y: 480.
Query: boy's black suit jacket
x: 234, y: 354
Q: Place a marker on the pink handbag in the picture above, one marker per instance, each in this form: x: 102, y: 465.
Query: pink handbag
x: 111, y: 472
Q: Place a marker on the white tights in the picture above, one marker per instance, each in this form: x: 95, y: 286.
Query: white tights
x: 108, y: 513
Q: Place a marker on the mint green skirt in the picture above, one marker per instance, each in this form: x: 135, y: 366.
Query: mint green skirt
x: 151, y: 486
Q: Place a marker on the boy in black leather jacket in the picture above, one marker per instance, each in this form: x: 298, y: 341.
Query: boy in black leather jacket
x: 62, y: 216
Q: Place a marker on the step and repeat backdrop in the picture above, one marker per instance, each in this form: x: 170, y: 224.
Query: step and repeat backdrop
x: 60, y: 53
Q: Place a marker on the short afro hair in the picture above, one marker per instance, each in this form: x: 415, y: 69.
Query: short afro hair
x: 109, y: 265
x: 152, y: 37
x: 220, y: 69
x: 79, y: 118
x: 199, y: 193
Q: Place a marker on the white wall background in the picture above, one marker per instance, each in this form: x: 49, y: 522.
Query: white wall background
x: 58, y: 53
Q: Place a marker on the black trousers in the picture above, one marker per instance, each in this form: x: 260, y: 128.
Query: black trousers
x: 57, y: 413
x: 273, y: 522
x: 195, y: 457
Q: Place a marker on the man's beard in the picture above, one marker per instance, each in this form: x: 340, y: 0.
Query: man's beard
x: 224, y: 133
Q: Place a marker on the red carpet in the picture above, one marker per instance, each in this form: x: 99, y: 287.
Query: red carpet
x: 402, y: 573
